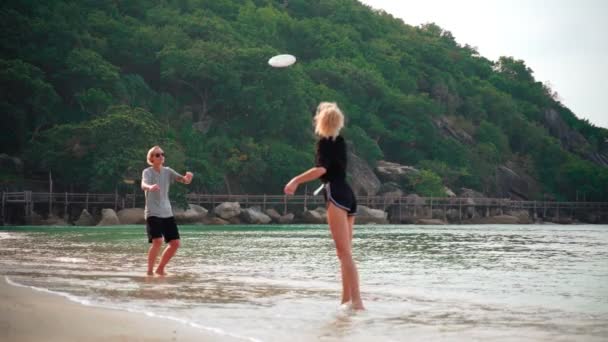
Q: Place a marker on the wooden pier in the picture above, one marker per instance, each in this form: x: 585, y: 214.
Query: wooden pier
x: 430, y: 207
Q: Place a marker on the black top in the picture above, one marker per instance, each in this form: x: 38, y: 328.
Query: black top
x: 331, y: 154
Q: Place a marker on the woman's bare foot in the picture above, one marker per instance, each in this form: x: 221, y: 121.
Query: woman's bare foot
x: 150, y: 273
x: 161, y: 272
x: 358, y: 306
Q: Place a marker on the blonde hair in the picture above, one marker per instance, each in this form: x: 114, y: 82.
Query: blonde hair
x: 150, y: 152
x: 329, y: 120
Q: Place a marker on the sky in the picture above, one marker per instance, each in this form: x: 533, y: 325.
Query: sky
x: 565, y: 42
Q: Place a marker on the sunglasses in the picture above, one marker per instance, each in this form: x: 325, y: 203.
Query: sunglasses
x: 158, y: 155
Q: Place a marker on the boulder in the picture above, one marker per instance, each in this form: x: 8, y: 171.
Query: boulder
x: 108, y: 218
x: 393, y: 172
x: 193, y: 214
x: 449, y: 192
x: 85, y: 219
x: 413, y: 199
x: 431, y: 221
x: 254, y: 216
x: 227, y: 210
x: 391, y: 192
x: 369, y: 215
x: 235, y: 220
x: 364, y: 180
x: 500, y: 219
x: 318, y: 216
x: 214, y: 221
x: 523, y: 216
x: 53, y: 220
x: 286, y: 219
x: 10, y: 164
x: 131, y: 216
x: 470, y: 193
x: 273, y: 214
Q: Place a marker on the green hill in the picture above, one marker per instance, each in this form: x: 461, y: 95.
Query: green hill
x: 88, y: 86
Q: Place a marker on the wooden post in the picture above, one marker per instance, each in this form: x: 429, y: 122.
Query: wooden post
x: 50, y: 193
x: 3, y: 201
x: 431, y: 206
x: 28, y: 207
x: 400, y: 209
x: 65, y: 207
x: 115, y: 199
x: 459, y: 210
x: 264, y: 203
x: 557, y: 211
x: 305, y: 201
x: 285, y: 205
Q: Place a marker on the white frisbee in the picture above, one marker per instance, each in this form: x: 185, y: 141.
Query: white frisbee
x: 282, y: 61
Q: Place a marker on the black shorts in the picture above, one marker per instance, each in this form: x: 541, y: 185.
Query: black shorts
x: 341, y: 195
x: 157, y: 227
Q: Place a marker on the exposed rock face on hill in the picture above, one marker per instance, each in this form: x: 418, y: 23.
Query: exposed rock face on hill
x: 447, y: 129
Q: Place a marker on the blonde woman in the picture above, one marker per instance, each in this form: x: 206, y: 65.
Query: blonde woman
x: 160, y: 223
x: 330, y: 161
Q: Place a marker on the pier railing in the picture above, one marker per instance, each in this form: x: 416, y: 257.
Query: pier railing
x: 281, y: 203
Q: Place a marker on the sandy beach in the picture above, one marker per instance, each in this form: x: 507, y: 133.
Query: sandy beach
x: 30, y: 315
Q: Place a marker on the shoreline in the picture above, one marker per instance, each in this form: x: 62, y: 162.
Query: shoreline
x: 28, y: 314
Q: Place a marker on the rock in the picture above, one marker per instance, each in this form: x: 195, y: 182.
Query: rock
x: 571, y: 139
x: 86, y: 219
x: 501, y: 219
x: 108, y: 218
x: 369, y: 215
x: 453, y: 215
x: 510, y: 184
x: 431, y: 221
x: 131, y: 216
x: 414, y: 199
x: 254, y: 216
x: 11, y: 164
x: 449, y: 192
x: 273, y: 214
x: 450, y: 130
x: 391, y: 192
x: 214, y: 221
x: 286, y: 219
x: 318, y: 216
x: 470, y: 193
x: 364, y: 180
x: 523, y: 216
x: 193, y: 214
x: 393, y: 172
x: 227, y: 210
x: 36, y: 219
x: 53, y: 220
x: 235, y: 220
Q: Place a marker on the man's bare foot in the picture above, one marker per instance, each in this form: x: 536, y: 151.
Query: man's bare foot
x: 150, y: 273
x: 161, y: 272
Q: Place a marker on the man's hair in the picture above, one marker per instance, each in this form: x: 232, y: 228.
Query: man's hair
x: 150, y: 152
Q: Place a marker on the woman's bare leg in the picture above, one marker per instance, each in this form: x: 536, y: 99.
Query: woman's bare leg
x: 341, y: 233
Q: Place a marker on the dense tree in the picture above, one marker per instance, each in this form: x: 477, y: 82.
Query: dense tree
x: 87, y: 86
